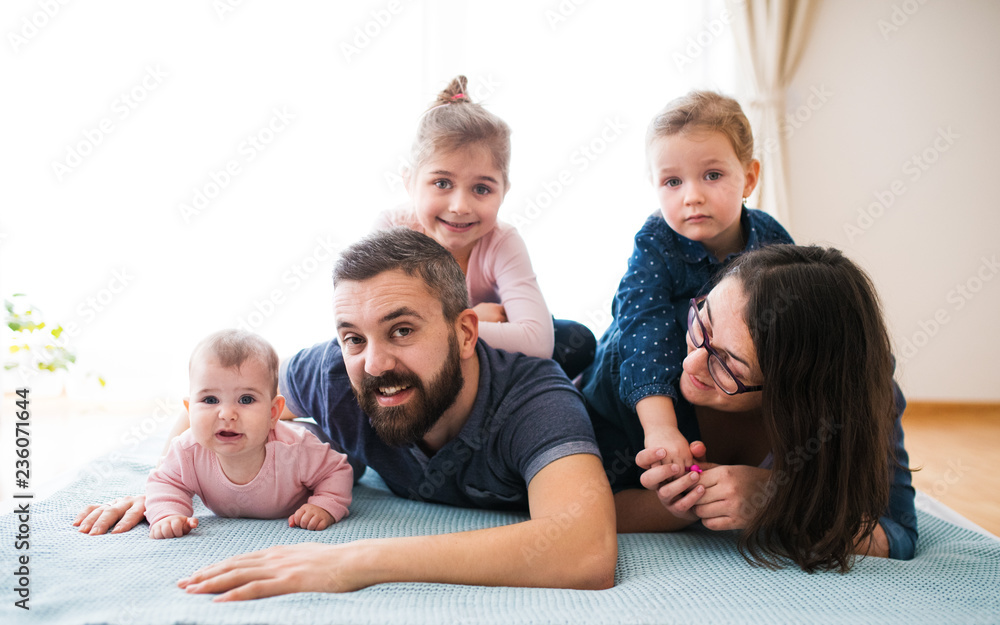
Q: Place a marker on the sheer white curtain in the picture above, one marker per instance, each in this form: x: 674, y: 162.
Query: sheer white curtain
x: 770, y: 36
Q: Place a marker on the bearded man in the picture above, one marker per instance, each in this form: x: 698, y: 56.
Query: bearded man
x: 408, y: 389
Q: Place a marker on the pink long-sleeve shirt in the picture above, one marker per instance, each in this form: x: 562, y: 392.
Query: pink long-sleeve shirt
x: 499, y: 272
x: 297, y: 469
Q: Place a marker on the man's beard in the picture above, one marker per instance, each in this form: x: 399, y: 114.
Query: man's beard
x: 405, y: 424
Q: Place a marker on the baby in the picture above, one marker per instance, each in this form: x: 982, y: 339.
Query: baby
x: 238, y: 457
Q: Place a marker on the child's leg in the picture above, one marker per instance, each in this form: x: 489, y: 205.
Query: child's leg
x: 575, y: 346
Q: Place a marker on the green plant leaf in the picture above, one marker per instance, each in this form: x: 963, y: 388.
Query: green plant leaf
x: 43, y: 354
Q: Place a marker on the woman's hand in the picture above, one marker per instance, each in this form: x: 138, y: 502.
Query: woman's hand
x: 678, y: 493
x: 732, y: 495
x: 679, y: 496
x: 123, y: 513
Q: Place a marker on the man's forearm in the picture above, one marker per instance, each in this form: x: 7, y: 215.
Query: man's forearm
x: 570, y: 542
x: 536, y: 553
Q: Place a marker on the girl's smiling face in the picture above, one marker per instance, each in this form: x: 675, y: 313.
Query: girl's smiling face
x: 456, y: 196
x: 700, y: 184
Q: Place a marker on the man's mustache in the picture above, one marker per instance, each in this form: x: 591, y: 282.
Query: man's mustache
x: 372, y: 383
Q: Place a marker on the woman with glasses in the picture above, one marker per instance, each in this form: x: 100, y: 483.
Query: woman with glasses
x: 789, y: 400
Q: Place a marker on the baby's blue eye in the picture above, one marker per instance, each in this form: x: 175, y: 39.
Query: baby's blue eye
x: 482, y: 189
x: 442, y: 184
x: 673, y: 182
x: 210, y: 400
x: 714, y: 175
x: 246, y: 399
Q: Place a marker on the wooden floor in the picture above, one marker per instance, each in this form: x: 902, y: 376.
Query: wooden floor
x: 956, y: 446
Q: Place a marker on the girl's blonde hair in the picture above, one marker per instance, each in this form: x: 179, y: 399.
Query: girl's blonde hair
x: 701, y: 111
x: 454, y: 121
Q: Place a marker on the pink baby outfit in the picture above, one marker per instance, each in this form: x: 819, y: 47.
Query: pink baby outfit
x: 499, y: 272
x: 297, y: 469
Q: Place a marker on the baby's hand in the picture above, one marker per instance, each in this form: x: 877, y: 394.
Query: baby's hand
x: 311, y: 517
x: 173, y: 526
x: 671, y: 441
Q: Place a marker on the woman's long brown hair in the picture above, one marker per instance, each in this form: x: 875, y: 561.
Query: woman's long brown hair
x: 828, y: 406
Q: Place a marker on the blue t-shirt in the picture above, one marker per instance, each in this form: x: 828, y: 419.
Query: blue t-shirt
x: 526, y: 415
x: 642, y: 351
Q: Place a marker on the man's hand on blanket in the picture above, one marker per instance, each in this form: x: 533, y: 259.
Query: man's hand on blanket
x: 123, y: 513
x: 305, y: 567
x: 311, y: 517
x: 173, y: 526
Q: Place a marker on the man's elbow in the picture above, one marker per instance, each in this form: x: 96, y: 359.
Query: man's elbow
x: 595, y: 565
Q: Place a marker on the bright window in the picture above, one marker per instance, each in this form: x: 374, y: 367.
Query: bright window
x: 176, y: 168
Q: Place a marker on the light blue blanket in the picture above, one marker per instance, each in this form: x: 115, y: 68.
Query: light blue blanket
x: 694, y: 576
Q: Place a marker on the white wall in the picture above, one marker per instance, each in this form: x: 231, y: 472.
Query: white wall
x: 897, y: 164
x: 557, y: 71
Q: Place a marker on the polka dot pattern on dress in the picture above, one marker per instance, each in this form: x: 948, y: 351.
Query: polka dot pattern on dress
x: 665, y: 271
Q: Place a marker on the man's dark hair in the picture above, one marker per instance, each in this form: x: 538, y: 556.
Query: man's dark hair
x: 415, y: 254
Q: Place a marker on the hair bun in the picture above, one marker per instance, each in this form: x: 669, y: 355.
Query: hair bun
x: 454, y: 92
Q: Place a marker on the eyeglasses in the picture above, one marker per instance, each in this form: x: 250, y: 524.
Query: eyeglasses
x: 723, y: 377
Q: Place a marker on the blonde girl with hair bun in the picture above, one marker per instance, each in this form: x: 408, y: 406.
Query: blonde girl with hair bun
x: 459, y: 176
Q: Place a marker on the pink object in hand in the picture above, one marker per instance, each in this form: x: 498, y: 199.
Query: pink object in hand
x: 695, y: 468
